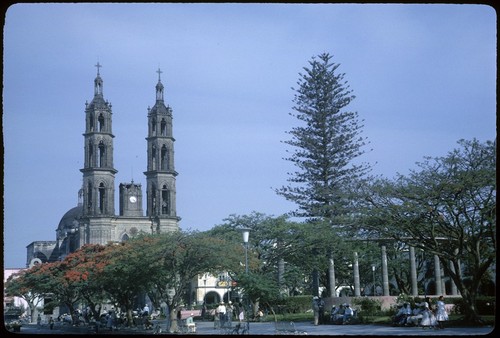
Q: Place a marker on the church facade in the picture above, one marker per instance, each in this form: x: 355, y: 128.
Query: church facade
x: 94, y: 219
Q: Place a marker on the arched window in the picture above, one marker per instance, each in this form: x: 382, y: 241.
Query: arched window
x: 91, y: 122
x: 101, y: 122
x: 102, y: 198
x: 153, y: 126
x: 165, y: 201
x: 102, y: 155
x: 153, y: 157
x: 164, y: 158
x: 153, y: 199
x: 89, y: 195
x: 163, y: 128
x: 91, y: 154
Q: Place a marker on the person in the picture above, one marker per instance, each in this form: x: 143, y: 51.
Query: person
x: 397, y: 317
x: 145, y: 311
x: 428, y: 318
x: 348, y: 312
x: 191, y: 326
x: 403, y: 314
x: 221, y: 312
x: 416, y: 316
x: 109, y: 321
x: 260, y: 314
x: 203, y: 311
x: 241, y: 315
x: 38, y: 320
x: 333, y: 312
x: 441, y: 314
x: 51, y: 323
x: 315, y: 307
x: 321, y: 314
x: 339, y: 314
x: 229, y: 313
x: 216, y: 320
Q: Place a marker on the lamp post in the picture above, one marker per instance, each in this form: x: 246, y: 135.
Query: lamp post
x: 373, y: 271
x: 246, y: 235
x: 204, y: 288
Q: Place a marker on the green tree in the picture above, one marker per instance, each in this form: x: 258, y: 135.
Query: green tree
x: 325, y: 145
x: 180, y: 257
x: 447, y: 209
x: 126, y: 270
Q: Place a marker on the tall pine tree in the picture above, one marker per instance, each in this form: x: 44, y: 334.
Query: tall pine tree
x: 325, y: 144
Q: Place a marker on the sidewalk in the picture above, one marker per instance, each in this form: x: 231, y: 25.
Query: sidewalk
x: 267, y: 328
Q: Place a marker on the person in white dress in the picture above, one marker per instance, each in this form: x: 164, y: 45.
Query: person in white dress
x: 441, y: 314
x: 428, y: 317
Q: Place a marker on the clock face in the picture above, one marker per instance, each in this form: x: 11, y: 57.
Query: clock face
x: 133, y: 199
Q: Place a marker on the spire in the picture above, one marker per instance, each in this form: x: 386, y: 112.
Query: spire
x: 159, y: 87
x: 98, y: 82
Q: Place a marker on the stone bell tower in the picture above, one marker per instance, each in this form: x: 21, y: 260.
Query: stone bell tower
x: 98, y: 171
x: 161, y: 174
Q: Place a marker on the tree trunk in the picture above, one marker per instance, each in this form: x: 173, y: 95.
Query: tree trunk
x: 173, y: 320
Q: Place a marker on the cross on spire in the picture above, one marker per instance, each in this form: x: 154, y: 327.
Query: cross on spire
x: 98, y: 66
x: 159, y: 74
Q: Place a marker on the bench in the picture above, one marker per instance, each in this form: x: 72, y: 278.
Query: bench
x: 287, y: 328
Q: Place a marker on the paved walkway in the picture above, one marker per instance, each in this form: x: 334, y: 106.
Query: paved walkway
x: 267, y: 328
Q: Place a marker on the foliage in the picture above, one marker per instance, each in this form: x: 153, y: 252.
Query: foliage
x: 298, y: 304
x: 367, y: 306
x: 447, y: 209
x: 23, y: 284
x: 178, y: 257
x: 325, y: 145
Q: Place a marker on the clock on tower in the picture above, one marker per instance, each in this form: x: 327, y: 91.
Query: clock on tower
x: 130, y: 199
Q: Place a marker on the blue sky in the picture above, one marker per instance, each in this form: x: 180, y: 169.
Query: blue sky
x: 424, y: 77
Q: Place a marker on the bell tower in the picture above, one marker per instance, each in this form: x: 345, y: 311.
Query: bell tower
x: 98, y: 171
x: 161, y: 174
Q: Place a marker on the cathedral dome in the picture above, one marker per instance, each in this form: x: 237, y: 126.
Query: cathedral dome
x: 70, y: 219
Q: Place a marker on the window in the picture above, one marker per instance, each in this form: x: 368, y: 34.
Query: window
x: 153, y: 199
x: 164, y: 158
x: 165, y: 201
x: 91, y: 154
x: 163, y: 128
x: 102, y: 193
x: 153, y: 157
x: 89, y: 196
x: 102, y: 153
x: 101, y: 122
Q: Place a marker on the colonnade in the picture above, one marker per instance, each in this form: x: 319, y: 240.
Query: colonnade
x: 438, y: 275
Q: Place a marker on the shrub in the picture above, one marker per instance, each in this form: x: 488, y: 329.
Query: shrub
x: 367, y: 306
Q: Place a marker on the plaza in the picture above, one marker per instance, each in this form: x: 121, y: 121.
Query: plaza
x: 268, y: 328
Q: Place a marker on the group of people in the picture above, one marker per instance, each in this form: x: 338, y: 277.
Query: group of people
x: 424, y: 314
x: 224, y: 314
x: 342, y: 314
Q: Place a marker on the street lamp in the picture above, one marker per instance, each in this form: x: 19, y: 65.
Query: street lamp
x: 373, y: 271
x: 204, y: 288
x: 246, y: 234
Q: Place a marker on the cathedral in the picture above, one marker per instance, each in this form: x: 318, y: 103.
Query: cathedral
x: 94, y: 220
